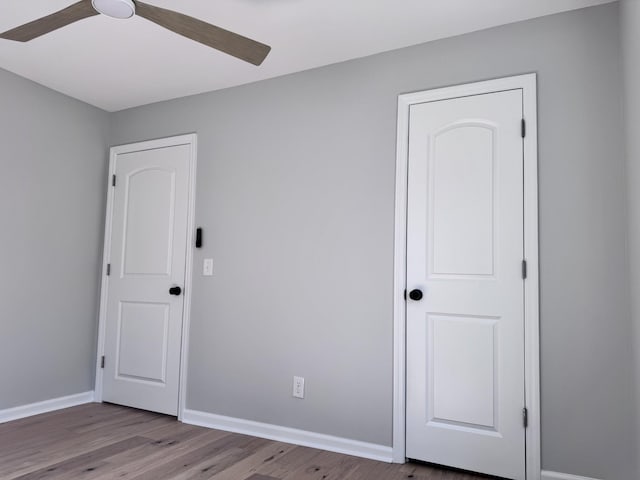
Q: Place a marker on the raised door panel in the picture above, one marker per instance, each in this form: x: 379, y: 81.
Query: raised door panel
x: 149, y: 210
x: 143, y: 337
x: 461, y: 173
x: 462, y: 371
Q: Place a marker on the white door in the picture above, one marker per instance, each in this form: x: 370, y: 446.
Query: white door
x: 147, y: 257
x: 465, y: 337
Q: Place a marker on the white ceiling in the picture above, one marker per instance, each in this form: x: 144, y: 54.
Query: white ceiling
x: 117, y: 64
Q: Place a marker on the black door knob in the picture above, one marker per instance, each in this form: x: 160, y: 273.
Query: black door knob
x: 415, y: 294
x: 175, y: 291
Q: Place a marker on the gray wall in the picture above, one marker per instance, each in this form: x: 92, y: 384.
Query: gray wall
x: 296, y: 196
x: 52, y: 189
x: 630, y: 36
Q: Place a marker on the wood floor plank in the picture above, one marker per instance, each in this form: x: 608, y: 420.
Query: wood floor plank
x: 109, y: 442
x: 210, y: 468
x: 325, y: 466
x: 288, y: 462
x: 62, y: 443
x: 62, y: 468
x: 260, y: 462
x: 146, y: 457
x: 211, y: 453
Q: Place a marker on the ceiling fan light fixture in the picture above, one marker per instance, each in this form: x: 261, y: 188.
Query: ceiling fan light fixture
x: 115, y: 8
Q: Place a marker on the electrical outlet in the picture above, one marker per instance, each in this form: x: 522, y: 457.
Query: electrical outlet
x: 207, y: 267
x: 298, y: 387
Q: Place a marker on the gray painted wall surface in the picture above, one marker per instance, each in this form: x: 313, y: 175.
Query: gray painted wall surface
x: 52, y: 191
x: 630, y: 36
x: 296, y: 196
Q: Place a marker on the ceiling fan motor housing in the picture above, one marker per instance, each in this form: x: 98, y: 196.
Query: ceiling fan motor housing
x: 115, y: 8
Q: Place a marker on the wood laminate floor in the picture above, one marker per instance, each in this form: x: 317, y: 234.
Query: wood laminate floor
x: 101, y: 442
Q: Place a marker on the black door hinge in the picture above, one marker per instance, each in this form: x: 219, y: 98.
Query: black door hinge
x: 523, y: 128
x: 108, y: 269
x: 113, y: 181
x: 524, y: 269
x: 525, y: 416
x: 405, y: 294
x: 102, y: 362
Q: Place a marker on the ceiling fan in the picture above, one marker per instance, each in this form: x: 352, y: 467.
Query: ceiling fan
x: 215, y: 37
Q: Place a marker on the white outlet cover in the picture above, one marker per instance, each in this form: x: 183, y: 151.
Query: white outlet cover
x: 298, y: 387
x: 207, y: 267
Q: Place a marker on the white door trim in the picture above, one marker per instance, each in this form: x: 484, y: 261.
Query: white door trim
x: 192, y: 141
x: 531, y: 317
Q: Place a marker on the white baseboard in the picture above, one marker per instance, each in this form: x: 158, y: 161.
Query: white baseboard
x: 562, y: 476
x: 24, y: 411
x: 289, y: 435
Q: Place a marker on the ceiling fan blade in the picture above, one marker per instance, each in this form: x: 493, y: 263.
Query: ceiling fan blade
x: 31, y: 30
x: 215, y: 37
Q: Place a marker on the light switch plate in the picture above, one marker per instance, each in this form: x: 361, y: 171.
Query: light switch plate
x: 207, y: 267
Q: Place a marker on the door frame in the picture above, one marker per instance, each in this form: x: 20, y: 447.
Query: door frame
x: 192, y: 141
x: 527, y: 83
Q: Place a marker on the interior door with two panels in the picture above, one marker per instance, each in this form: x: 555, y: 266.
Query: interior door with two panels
x: 147, y: 257
x: 465, y: 310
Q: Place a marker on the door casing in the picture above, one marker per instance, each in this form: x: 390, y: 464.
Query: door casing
x: 527, y: 83
x: 192, y: 141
